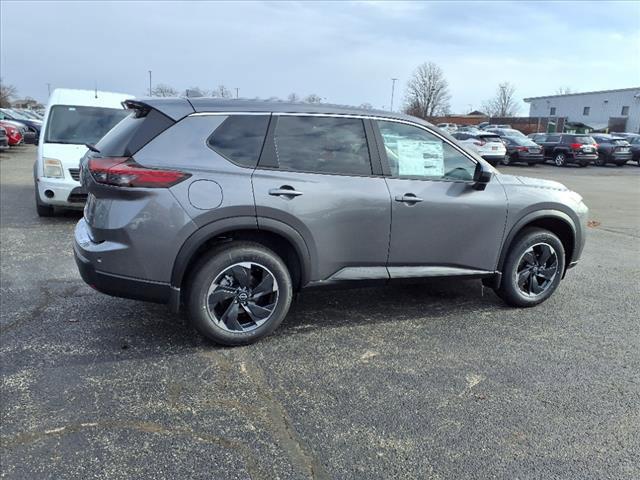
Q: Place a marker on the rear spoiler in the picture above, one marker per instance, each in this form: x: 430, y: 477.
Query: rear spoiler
x: 174, y: 108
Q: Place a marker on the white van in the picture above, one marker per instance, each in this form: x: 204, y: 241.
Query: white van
x: 73, y: 119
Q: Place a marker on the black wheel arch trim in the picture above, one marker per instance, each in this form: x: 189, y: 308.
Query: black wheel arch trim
x: 532, y: 217
x: 218, y: 227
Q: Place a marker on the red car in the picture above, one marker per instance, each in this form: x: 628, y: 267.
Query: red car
x: 13, y: 134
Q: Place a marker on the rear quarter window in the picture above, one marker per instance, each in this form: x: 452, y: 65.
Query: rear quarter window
x: 240, y: 138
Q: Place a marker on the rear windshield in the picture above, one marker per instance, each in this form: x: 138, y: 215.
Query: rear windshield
x: 490, y: 138
x: 80, y: 125
x: 137, y: 129
x: 582, y: 140
x: 619, y: 141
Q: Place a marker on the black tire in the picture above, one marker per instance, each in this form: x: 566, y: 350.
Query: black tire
x: 507, y: 159
x: 43, y: 210
x: 559, y: 159
x: 620, y: 164
x: 532, y: 164
x: 530, y: 239
x: 218, y: 263
x: 583, y: 164
x: 600, y: 161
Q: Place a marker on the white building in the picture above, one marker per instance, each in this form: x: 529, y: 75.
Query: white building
x: 613, y: 110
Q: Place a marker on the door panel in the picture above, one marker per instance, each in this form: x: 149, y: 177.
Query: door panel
x: 344, y: 220
x: 454, y: 225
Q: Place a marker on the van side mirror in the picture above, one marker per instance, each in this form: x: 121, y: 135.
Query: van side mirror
x: 481, y: 176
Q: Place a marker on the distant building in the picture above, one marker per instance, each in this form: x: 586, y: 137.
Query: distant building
x: 606, y: 110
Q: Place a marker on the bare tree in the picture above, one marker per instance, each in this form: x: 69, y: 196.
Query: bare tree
x: 293, y: 97
x: 427, y: 91
x: 503, y: 104
x: 313, y: 98
x: 195, y: 92
x: 366, y: 106
x: 7, y: 92
x: 162, y: 90
x: 221, y: 92
x: 563, y: 90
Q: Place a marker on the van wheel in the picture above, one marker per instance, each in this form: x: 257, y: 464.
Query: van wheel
x: 559, y: 159
x: 533, y: 268
x: 43, y: 210
x: 239, y: 294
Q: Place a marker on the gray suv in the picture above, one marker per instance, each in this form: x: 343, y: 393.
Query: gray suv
x: 227, y: 207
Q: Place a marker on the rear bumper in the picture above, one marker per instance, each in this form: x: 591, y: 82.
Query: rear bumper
x: 112, y: 284
x: 493, y: 159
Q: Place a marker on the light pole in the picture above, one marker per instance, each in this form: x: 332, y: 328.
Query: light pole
x: 237, y: 92
x: 393, y: 87
x: 49, y: 88
x: 149, y: 82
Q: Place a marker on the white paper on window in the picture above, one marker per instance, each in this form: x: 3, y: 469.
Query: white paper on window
x: 420, y: 158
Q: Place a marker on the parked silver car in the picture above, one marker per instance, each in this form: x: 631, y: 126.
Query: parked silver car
x: 227, y: 207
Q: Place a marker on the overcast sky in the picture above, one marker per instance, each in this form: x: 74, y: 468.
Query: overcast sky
x: 345, y: 52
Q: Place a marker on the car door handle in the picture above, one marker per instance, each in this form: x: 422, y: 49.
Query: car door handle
x: 285, y: 191
x: 408, y: 198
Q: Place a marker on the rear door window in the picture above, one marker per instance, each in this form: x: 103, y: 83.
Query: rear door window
x: 240, y: 138
x: 552, y: 138
x: 322, y: 145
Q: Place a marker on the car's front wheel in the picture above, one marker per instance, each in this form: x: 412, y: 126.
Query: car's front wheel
x: 507, y: 159
x: 532, y: 269
x: 600, y: 160
x: 239, y: 294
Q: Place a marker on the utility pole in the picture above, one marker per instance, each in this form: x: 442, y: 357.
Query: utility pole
x: 237, y: 89
x: 149, y: 82
x: 49, y: 88
x: 393, y: 87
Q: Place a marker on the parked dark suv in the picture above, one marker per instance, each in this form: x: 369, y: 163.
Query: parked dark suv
x: 228, y: 207
x: 565, y: 148
x: 612, y: 149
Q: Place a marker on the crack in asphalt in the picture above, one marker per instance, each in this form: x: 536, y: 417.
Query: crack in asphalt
x: 41, y: 307
x: 288, y: 438
x: 251, y: 462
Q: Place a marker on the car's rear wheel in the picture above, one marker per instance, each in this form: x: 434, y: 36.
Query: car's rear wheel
x: 620, y: 164
x: 43, y: 210
x: 600, y: 161
x: 239, y: 294
x: 532, y: 269
x: 507, y: 159
x: 560, y: 159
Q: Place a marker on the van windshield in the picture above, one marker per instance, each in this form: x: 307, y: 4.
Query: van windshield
x: 80, y: 125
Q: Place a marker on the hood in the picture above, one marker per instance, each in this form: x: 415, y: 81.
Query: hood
x: 532, y: 182
x: 68, y: 154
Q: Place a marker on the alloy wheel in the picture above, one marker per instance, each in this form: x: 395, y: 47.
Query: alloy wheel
x: 559, y: 159
x: 537, y: 269
x: 507, y: 159
x: 242, y: 297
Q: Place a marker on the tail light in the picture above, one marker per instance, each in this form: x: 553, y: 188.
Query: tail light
x: 576, y: 146
x: 522, y: 149
x: 479, y: 143
x: 125, y: 172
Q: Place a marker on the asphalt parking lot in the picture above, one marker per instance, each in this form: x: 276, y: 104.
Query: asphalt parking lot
x: 429, y: 381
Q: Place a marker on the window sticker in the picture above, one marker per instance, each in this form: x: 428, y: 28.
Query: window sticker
x: 420, y: 158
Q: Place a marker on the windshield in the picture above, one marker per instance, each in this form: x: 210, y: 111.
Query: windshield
x: 80, y: 125
x: 508, y: 132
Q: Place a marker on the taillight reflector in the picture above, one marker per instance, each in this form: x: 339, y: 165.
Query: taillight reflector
x: 125, y: 172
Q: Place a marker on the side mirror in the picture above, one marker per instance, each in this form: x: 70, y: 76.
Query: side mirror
x: 481, y: 176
